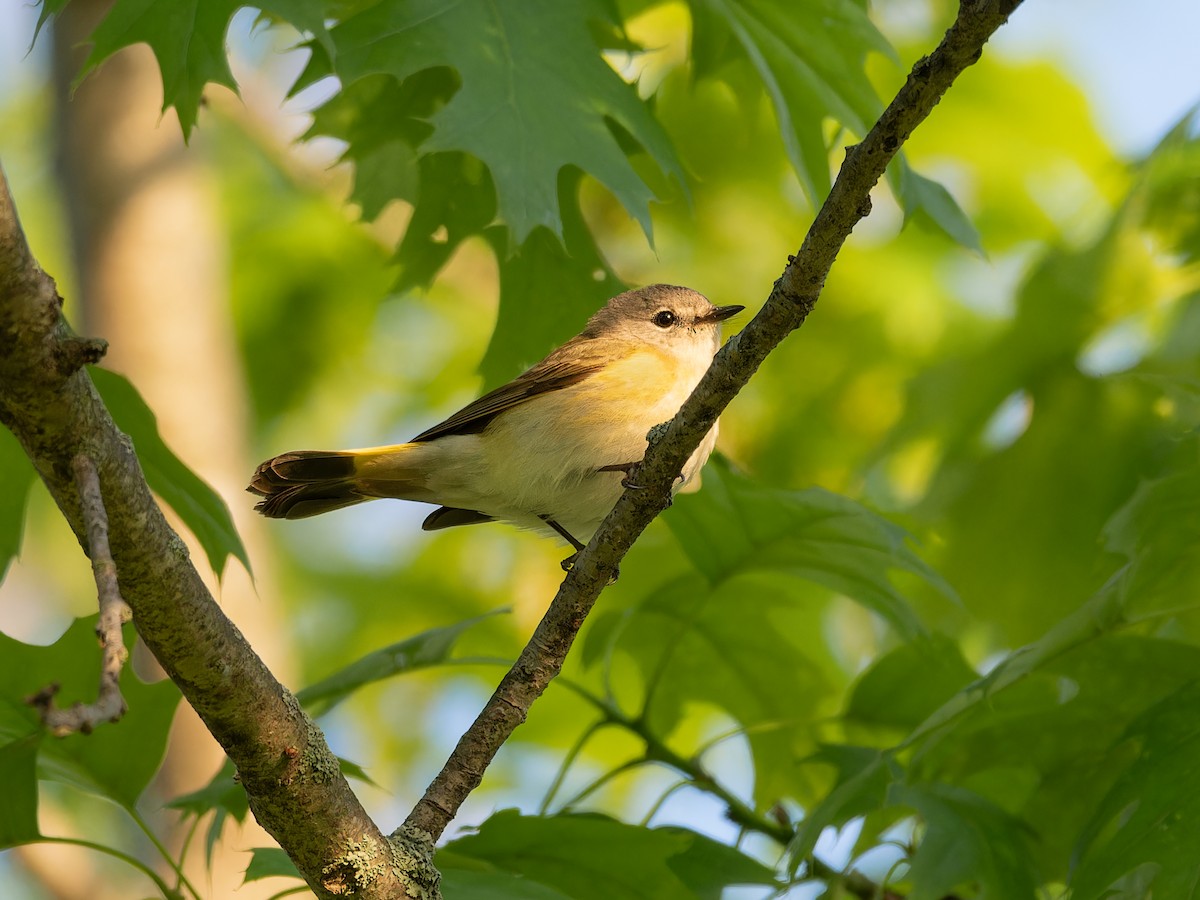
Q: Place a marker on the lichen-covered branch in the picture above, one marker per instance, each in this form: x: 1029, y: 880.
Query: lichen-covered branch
x: 790, y: 302
x: 109, y: 705
x: 295, y: 788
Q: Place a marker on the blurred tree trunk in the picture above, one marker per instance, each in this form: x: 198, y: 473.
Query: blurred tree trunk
x: 153, y: 274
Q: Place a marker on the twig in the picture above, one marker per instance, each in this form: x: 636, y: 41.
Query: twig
x: 789, y: 304
x: 109, y: 705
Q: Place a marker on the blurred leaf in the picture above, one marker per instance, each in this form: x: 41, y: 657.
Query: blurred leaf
x: 18, y: 787
x: 269, y: 862
x: 863, y: 777
x: 198, y: 505
x: 903, y: 687
x: 1158, y: 530
x: 1150, y: 820
x: 221, y: 793
x: 735, y: 525
x: 354, y: 770
x: 16, y: 478
x: 732, y: 645
x: 928, y: 201
x: 593, y: 856
x: 117, y: 760
x: 1171, y: 188
x: 188, y: 40
x: 1043, y: 747
x: 223, y: 796
x: 967, y: 840
x: 548, y: 290
x: 807, y: 75
x: 523, y: 70
x: 707, y: 867
x: 466, y: 884
x: 429, y: 648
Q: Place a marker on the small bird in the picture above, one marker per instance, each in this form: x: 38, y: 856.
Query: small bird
x: 551, y: 450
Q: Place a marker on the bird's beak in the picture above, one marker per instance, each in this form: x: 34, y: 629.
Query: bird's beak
x: 721, y: 313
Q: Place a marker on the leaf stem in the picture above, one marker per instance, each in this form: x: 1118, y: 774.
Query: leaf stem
x: 136, y: 863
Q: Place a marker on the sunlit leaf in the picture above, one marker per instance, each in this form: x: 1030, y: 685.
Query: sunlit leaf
x: 807, y: 76
x: 198, y: 505
x: 523, y: 71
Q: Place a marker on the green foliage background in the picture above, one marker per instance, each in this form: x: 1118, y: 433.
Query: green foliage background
x: 939, y: 590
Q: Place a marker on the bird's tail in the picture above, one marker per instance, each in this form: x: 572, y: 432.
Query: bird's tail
x: 305, y: 483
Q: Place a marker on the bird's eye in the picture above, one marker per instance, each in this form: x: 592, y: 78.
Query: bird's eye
x: 664, y: 318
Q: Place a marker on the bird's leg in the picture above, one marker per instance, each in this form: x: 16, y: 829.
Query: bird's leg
x: 569, y: 563
x: 562, y: 533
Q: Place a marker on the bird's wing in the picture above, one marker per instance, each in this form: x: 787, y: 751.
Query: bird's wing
x: 569, y: 364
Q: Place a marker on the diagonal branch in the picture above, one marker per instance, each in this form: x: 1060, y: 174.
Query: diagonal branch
x: 292, y: 779
x: 789, y: 304
x: 114, y: 613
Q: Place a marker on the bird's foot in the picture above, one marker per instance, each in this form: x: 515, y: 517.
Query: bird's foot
x: 630, y: 470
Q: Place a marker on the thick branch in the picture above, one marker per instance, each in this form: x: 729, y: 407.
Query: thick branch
x: 789, y: 304
x: 292, y: 779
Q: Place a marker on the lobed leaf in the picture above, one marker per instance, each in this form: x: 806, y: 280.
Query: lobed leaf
x: 116, y: 761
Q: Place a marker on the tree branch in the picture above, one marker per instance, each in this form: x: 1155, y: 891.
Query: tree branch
x: 789, y: 304
x: 295, y: 788
x: 114, y: 613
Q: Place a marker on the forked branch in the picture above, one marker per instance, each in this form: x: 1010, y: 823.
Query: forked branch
x: 789, y: 304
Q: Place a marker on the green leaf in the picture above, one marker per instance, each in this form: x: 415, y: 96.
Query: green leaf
x: 863, y: 777
x: 928, y: 201
x: 967, y: 840
x: 735, y: 525
x: 707, y: 867
x: 548, y: 289
x: 732, y: 645
x: 1046, y: 747
x: 198, y: 505
x: 429, y: 648
x: 467, y: 884
x: 18, y: 787
x: 221, y: 793
x: 1158, y: 530
x: 223, y: 796
x: 269, y: 862
x: 808, y: 76
x: 593, y: 856
x: 536, y: 96
x: 903, y: 687
x: 16, y: 478
x: 188, y: 40
x: 117, y: 760
x: 1149, y: 823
